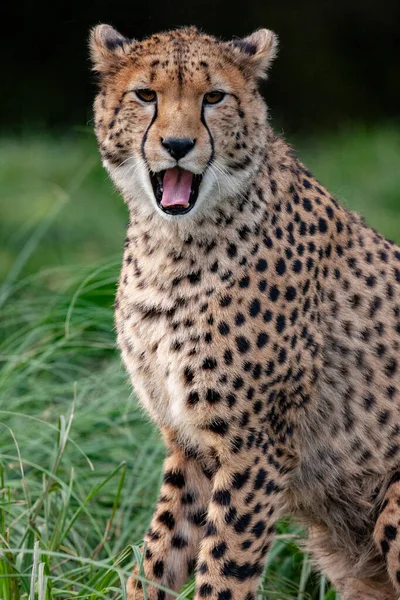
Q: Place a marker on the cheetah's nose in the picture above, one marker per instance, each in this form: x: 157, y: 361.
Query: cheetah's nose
x: 178, y: 147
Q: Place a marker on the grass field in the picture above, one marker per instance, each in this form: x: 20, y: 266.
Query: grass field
x: 79, y: 463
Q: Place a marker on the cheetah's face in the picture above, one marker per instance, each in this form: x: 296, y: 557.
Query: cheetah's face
x: 179, y: 116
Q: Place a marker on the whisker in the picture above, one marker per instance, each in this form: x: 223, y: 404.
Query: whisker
x: 229, y: 179
x: 124, y: 161
x: 217, y: 180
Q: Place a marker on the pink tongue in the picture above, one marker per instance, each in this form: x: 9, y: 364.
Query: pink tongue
x: 177, y: 186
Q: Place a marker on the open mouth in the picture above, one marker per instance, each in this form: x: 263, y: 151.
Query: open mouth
x: 176, y: 190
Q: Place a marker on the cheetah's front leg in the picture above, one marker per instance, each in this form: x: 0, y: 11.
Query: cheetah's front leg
x: 172, y: 541
x: 245, y: 503
x: 387, y: 530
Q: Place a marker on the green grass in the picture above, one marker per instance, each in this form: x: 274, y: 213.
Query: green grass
x: 79, y: 462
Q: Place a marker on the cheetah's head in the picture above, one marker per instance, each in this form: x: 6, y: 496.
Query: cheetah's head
x: 179, y: 119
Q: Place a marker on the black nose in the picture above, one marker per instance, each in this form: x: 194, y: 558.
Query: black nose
x: 178, y: 147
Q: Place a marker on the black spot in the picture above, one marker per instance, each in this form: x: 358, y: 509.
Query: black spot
x: 290, y: 294
x: 231, y: 399
x: 212, y: 396
x: 257, y: 406
x: 194, y: 277
x: 214, y: 267
x: 258, y: 529
x: 280, y: 266
x: 240, y: 319
x: 205, y: 590
x: 210, y: 529
x: 383, y: 417
x: 390, y: 392
x: 262, y: 339
x: 225, y: 595
x: 280, y: 323
x: 262, y: 285
x: 228, y: 357
x: 178, y: 541
x: 231, y: 250
x: 297, y: 266
x: 371, y: 281
x: 369, y: 401
x: 268, y: 314
x: 244, y: 232
x: 390, y: 532
x: 241, y: 572
x: 202, y: 568
x: 240, y: 479
x: 153, y: 535
x: 273, y: 294
x: 148, y: 554
x: 238, y: 383
x: 191, y: 565
x: 271, y: 487
x: 188, y: 498
x: 282, y: 356
x: 260, y: 479
x: 270, y: 368
x: 329, y: 212
x: 198, y: 518
x: 225, y: 301
x: 167, y: 519
x: 230, y: 515
x: 209, y: 363
x: 188, y: 373
x: 261, y: 265
x: 242, y: 523
x: 174, y: 478
x: 219, y: 550
x: 193, y: 398
x: 222, y: 497
x: 244, y: 282
x: 218, y: 426
x: 254, y: 308
x: 158, y: 569
x: 392, y: 451
x: 391, y: 367
x: 242, y: 344
x: 322, y: 225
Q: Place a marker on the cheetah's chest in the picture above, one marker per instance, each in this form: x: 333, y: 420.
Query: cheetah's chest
x: 152, y: 356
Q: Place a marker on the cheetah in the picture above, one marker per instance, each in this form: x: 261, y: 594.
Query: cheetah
x: 259, y: 322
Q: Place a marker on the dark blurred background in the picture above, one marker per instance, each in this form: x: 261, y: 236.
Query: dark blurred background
x: 338, y: 61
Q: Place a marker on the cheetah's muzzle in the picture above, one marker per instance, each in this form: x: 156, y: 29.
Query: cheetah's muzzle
x: 176, y: 190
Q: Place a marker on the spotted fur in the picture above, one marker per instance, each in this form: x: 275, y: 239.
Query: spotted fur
x: 261, y: 331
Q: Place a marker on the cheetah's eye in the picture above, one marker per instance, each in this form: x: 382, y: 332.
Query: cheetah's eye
x: 213, y: 97
x: 146, y: 95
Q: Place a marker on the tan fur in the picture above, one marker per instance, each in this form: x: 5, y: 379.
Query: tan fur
x: 261, y: 331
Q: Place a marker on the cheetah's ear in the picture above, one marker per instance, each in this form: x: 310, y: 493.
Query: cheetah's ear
x: 105, y: 45
x: 257, y: 51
